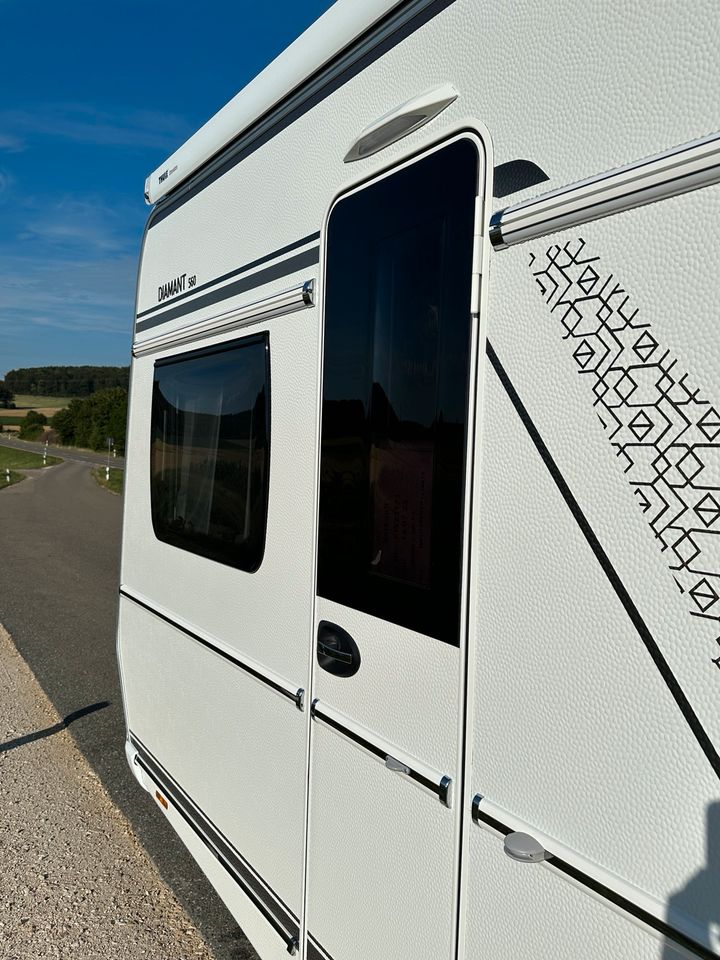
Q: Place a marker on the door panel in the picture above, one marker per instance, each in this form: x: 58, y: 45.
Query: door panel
x: 381, y: 857
x: 384, y: 743
x: 389, y: 691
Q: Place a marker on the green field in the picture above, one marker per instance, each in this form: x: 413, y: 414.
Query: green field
x: 23, y: 460
x: 8, y: 420
x: 115, y: 484
x: 25, y: 401
x: 14, y: 478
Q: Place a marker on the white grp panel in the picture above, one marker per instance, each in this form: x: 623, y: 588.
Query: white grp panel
x: 664, y: 291
x: 575, y: 731
x: 267, y: 942
x: 406, y: 690
x: 235, y: 746
x: 528, y: 910
x: 380, y: 864
x: 541, y: 110
x: 330, y: 34
x: 265, y: 615
x: 255, y: 289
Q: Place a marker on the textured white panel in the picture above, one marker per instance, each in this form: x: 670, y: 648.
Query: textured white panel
x: 574, y: 727
x: 334, y: 30
x: 669, y: 292
x: 527, y: 910
x: 266, y: 941
x: 266, y: 614
x: 406, y: 689
x: 380, y: 859
x: 575, y: 731
x: 654, y: 85
x: 235, y: 746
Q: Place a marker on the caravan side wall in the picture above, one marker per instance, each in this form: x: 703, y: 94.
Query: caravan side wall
x: 580, y: 704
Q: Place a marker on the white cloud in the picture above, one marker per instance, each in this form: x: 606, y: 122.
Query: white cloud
x: 75, y: 296
x: 83, y: 123
x: 78, y: 227
x: 10, y: 143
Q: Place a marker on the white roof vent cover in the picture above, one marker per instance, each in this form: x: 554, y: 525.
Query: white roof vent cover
x: 400, y: 121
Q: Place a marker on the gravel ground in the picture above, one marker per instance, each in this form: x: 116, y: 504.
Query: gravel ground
x: 74, y: 880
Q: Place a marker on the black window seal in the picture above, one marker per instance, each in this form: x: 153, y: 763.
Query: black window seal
x: 224, y: 347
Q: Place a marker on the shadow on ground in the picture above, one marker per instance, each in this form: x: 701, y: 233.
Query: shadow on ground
x: 55, y: 728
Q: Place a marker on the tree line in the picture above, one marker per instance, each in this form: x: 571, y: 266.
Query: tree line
x: 86, y: 422
x: 64, y: 381
x: 90, y: 421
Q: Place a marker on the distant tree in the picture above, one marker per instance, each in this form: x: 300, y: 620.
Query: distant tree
x: 6, y: 394
x: 79, y: 381
x: 32, y: 426
x: 63, y: 422
x: 89, y: 421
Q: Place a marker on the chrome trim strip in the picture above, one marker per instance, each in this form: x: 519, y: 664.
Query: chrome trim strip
x: 244, y: 284
x: 689, y: 166
x: 251, y: 667
x: 436, y: 783
x: 650, y: 912
x: 286, y: 301
x: 262, y: 896
x: 273, y: 255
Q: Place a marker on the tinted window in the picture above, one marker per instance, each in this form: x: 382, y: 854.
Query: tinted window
x: 395, y: 388
x: 210, y: 450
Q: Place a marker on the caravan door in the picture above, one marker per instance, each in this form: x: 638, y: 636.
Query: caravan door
x: 399, y: 339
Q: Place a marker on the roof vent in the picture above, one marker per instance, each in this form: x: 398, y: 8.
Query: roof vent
x: 400, y: 121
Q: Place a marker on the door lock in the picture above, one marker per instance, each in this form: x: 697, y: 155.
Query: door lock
x: 337, y: 652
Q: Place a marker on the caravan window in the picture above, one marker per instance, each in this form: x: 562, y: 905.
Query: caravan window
x: 395, y: 393
x: 210, y: 451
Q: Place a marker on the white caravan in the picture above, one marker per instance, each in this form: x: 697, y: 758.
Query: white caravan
x: 420, y: 606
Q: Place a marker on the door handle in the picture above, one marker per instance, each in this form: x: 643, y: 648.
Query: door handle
x: 337, y: 652
x: 334, y: 653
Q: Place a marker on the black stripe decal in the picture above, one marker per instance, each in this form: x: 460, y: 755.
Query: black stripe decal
x: 670, y: 933
x: 440, y: 789
x: 368, y: 48
x: 297, y: 698
x: 632, y: 611
x: 275, y: 911
x: 299, y: 262
x: 234, y: 273
x: 315, y: 951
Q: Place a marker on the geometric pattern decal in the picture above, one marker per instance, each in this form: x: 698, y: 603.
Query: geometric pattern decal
x: 665, y: 433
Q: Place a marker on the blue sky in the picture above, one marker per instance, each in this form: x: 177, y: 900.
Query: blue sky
x: 94, y: 97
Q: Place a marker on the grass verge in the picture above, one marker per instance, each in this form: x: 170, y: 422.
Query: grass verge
x: 14, y: 478
x: 23, y: 460
x: 114, y: 484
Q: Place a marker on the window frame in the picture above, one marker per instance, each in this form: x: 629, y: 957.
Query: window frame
x: 226, y: 346
x: 475, y: 138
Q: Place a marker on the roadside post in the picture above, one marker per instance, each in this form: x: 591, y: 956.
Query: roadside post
x: 110, y: 443
x: 45, y: 454
x: 7, y: 474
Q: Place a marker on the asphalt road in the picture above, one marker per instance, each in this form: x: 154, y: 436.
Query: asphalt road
x: 67, y: 453
x: 59, y: 575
